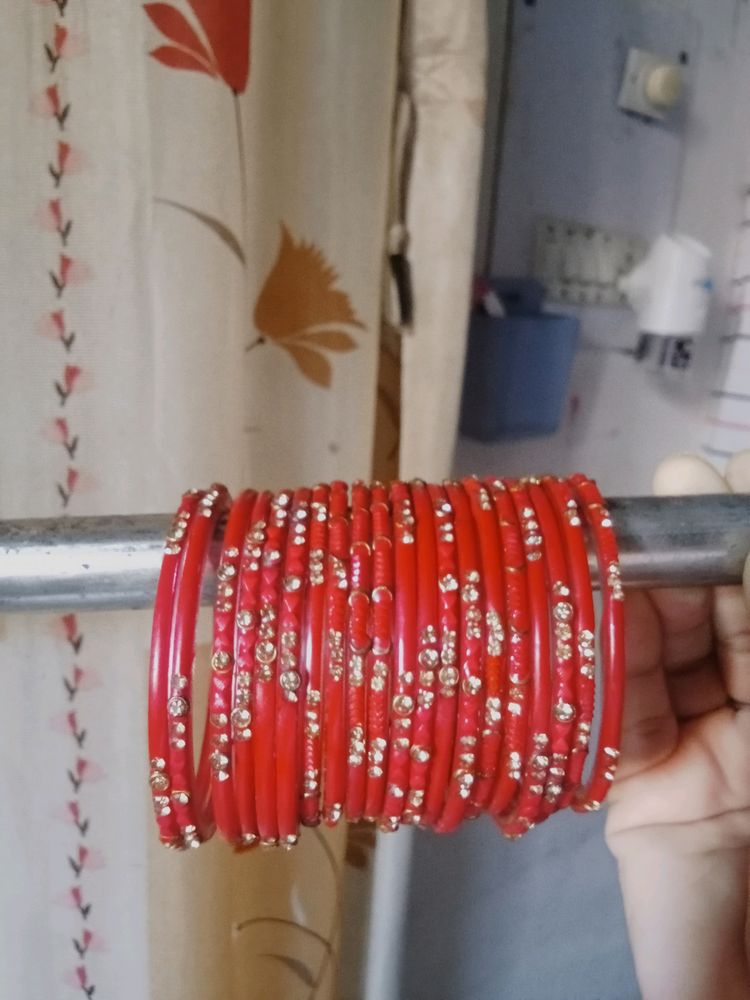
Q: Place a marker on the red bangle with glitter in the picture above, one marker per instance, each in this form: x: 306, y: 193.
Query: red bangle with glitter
x: 266, y: 666
x: 612, y: 641
x: 288, y: 694
x: 220, y: 695
x: 564, y: 660
x: 380, y: 657
x: 448, y: 674
x: 158, y: 724
x: 403, y: 686
x: 191, y: 790
x: 488, y: 752
x: 517, y: 632
x: 428, y: 655
x: 334, y: 658
x: 582, y: 639
x: 525, y: 810
x: 245, y: 637
x: 311, y: 661
x: 358, y: 646
x: 471, y: 647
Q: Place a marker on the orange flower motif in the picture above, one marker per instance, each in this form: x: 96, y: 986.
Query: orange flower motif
x: 226, y: 25
x: 300, y: 309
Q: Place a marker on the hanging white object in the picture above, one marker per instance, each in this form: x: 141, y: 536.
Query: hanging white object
x: 671, y: 287
x: 670, y: 291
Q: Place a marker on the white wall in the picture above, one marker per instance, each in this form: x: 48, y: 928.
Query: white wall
x: 569, y: 151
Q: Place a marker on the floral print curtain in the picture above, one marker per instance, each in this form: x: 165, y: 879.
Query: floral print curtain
x: 196, y: 203
x: 196, y: 195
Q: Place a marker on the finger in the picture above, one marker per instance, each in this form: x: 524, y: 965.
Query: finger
x: 732, y: 606
x: 738, y: 472
x: 649, y: 727
x: 686, y: 614
x: 686, y: 620
x: 696, y: 689
x: 687, y: 475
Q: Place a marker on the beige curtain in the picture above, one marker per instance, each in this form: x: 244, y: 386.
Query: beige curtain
x: 195, y: 202
x: 194, y: 211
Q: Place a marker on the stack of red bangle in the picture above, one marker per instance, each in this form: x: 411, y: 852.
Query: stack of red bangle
x: 412, y: 653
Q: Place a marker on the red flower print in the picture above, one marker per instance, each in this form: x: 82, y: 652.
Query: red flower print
x: 69, y: 160
x: 69, y: 272
x: 226, y: 25
x: 48, y: 104
x: 67, y: 489
x: 55, y: 211
x: 70, y: 625
x: 74, y: 815
x: 65, y: 45
x: 81, y: 679
x: 51, y: 217
x: 85, y: 858
x: 60, y: 433
x: 84, y: 770
x: 71, y: 374
x: 52, y: 325
x: 76, y: 900
x: 58, y: 318
x: 79, y: 735
x: 78, y: 977
x: 61, y: 37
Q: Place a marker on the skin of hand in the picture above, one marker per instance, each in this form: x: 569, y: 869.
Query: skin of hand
x: 679, y: 816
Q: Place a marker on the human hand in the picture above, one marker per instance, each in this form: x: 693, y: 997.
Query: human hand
x: 679, y: 816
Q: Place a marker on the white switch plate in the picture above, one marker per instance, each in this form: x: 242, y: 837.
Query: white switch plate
x: 632, y: 96
x: 581, y: 264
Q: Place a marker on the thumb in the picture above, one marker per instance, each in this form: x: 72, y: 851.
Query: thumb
x: 738, y: 477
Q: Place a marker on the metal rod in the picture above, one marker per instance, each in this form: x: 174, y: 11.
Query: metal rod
x: 98, y: 563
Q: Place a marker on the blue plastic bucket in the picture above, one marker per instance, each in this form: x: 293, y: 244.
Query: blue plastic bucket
x: 517, y: 374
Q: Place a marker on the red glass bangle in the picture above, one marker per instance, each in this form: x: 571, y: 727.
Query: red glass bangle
x: 380, y: 657
x: 358, y: 646
x: 517, y: 619
x: 158, y: 725
x: 428, y: 656
x: 584, y: 623
x: 334, y: 643
x: 422, y: 655
x: 471, y: 669
x: 488, y: 751
x: 311, y: 661
x: 245, y: 637
x: 191, y: 787
x: 403, y: 686
x: 266, y: 667
x: 220, y: 693
x: 288, y: 694
x: 523, y: 814
x: 561, y: 623
x: 612, y: 642
x: 448, y: 674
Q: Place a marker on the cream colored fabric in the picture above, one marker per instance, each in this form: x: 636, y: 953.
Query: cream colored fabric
x: 148, y: 377
x: 444, y: 64
x: 441, y: 110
